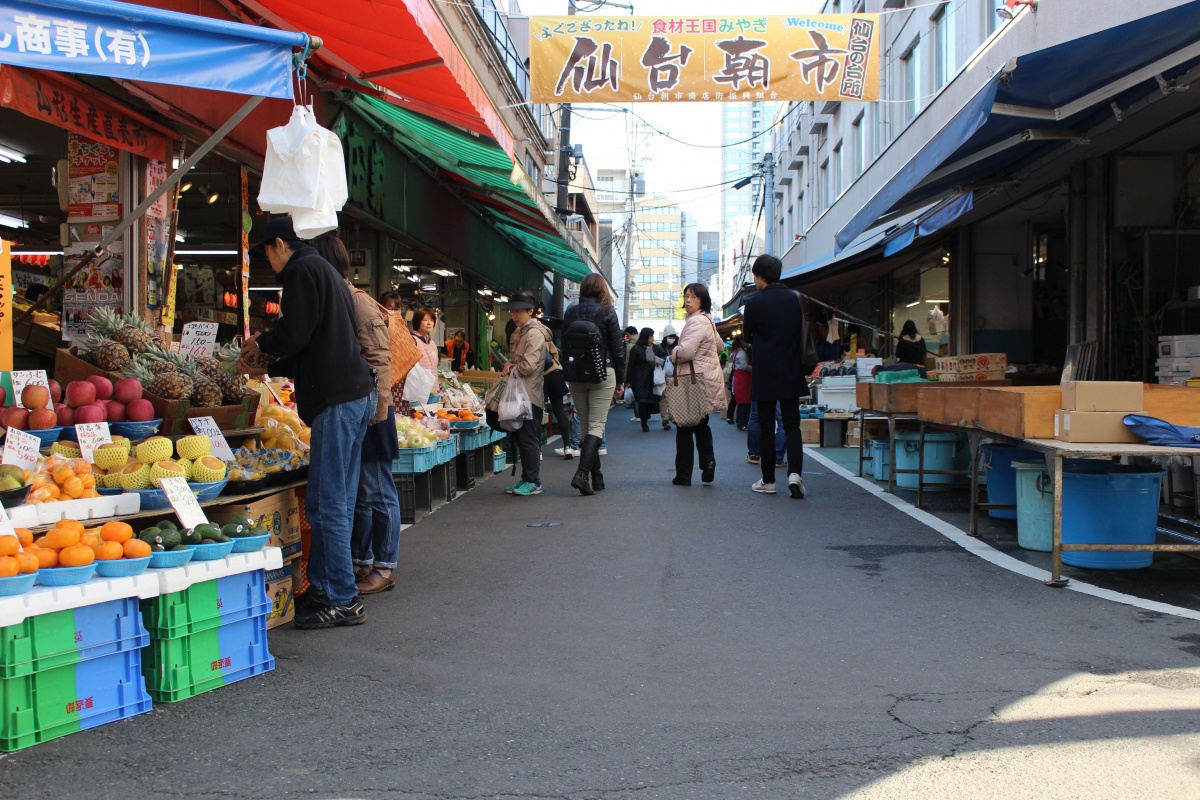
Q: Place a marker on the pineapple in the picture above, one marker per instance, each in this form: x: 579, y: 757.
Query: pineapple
x: 205, y: 392
x: 106, y: 354
x: 129, y: 330
x: 167, y: 384
x: 232, y: 384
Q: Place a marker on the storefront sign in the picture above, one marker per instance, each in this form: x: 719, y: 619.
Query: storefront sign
x: 713, y: 59
x: 6, y: 307
x: 130, y: 42
x: 183, y: 500
x: 28, y: 377
x: 94, y: 169
x: 101, y: 284
x: 199, y: 339
x: 21, y: 449
x: 64, y: 104
x: 207, y: 426
x: 91, y: 435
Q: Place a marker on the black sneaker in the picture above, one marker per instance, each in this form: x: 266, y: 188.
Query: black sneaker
x: 308, y: 601
x: 321, y: 616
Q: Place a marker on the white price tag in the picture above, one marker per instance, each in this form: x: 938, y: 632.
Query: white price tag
x: 21, y: 449
x: 28, y: 377
x: 207, y: 426
x: 91, y: 435
x: 6, y: 526
x: 199, y: 339
x: 183, y: 500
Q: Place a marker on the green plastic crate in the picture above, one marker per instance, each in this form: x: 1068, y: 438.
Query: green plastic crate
x: 206, y: 605
x: 65, y: 637
x: 182, y: 667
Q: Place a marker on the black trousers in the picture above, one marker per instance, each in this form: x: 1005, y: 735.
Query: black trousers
x: 529, y: 442
x: 743, y: 416
x: 556, y: 389
x: 789, y: 410
x: 685, y: 451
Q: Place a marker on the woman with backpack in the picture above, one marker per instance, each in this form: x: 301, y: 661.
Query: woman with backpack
x: 594, y: 362
x: 699, y: 346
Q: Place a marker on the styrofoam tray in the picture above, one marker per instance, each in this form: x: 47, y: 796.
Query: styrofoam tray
x: 46, y: 599
x: 113, y: 505
x: 23, y: 516
x: 179, y: 578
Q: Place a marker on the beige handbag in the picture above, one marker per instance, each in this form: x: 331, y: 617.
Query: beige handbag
x: 685, y: 402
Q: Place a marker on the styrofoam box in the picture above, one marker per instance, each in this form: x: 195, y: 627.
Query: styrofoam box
x: 839, y: 380
x: 45, y: 599
x: 865, y: 365
x: 113, y: 505
x: 22, y: 516
x: 1178, y: 346
x: 177, y: 579
x: 837, y: 398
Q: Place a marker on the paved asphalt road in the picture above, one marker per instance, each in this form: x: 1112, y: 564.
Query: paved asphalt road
x: 669, y: 643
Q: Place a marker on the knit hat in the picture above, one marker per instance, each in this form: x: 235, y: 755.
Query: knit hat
x: 669, y: 331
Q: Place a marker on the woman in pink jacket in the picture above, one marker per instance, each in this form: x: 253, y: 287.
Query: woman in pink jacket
x: 700, y: 345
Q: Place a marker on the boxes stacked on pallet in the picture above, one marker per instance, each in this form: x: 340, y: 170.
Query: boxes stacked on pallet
x: 71, y: 670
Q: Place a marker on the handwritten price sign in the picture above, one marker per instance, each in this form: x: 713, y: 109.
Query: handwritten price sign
x: 183, y: 500
x: 199, y: 339
x: 207, y: 426
x: 21, y: 449
x: 28, y: 377
x: 91, y: 435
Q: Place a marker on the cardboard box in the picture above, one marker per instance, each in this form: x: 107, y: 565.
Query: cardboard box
x: 974, y: 362
x: 853, y: 433
x: 1105, y: 427
x: 69, y: 368
x: 810, y: 431
x: 1102, y: 396
x: 281, y: 591
x: 971, y: 377
x: 175, y: 413
x: 875, y: 429
x: 279, y: 513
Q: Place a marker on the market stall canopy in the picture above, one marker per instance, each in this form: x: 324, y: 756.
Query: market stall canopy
x: 483, y: 175
x: 401, y: 45
x: 137, y: 43
x: 1045, y: 99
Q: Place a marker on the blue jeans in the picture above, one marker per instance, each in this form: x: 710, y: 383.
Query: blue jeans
x: 376, y: 541
x: 334, y: 465
x: 575, y: 430
x: 752, y: 434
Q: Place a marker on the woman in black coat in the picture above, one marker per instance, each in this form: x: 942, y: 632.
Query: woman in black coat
x: 640, y: 372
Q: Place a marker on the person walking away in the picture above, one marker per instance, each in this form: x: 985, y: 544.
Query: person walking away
x: 643, y: 357
x: 375, y: 541
x: 527, y: 363
x: 314, y: 338
x: 629, y: 337
x: 775, y: 327
x: 742, y: 368
x: 910, y: 348
x: 423, y: 322
x: 458, y: 351
x: 700, y: 346
x: 595, y: 369
x: 556, y: 392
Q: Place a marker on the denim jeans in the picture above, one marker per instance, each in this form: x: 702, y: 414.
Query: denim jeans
x: 376, y: 541
x: 753, y: 433
x: 575, y: 430
x: 334, y: 464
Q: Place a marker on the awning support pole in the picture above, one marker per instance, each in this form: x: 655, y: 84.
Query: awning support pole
x: 152, y: 198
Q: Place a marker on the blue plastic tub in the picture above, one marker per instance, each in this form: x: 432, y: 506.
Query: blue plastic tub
x: 1035, y: 498
x: 414, y: 460
x: 942, y: 452
x: 17, y: 584
x: 881, y: 458
x: 1117, y: 507
x: 250, y: 544
x: 65, y: 576
x: 210, y: 551
x: 48, y: 435
x: 135, y: 430
x: 1001, y: 477
x: 122, y: 567
x: 166, y: 559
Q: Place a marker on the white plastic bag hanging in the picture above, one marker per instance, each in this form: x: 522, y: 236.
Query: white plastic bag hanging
x: 293, y: 168
x: 332, y: 193
x: 418, y: 383
x: 515, y: 408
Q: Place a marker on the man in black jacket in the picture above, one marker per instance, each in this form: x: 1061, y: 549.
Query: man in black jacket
x: 314, y: 339
x: 774, y: 323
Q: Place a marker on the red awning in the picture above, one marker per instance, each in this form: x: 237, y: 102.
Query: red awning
x: 400, y: 45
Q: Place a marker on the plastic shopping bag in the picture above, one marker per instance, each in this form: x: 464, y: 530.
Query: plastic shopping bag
x: 332, y: 193
x: 660, y: 379
x: 515, y: 407
x: 294, y: 164
x: 417, y: 384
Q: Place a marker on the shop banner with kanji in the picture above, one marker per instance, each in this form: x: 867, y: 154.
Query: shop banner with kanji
x: 132, y: 42
x: 704, y: 58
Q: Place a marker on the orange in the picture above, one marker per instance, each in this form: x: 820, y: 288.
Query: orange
x: 58, y: 538
x: 81, y: 466
x: 53, y: 490
x: 76, y: 556
x: 37, y: 481
x: 89, y: 539
x: 9, y: 545
x: 46, y: 557
x: 73, y: 488
x: 8, y: 567
x: 87, y: 493
x: 109, y: 551
x: 88, y: 481
x: 70, y: 524
x: 62, y: 474
x: 27, y: 563
x: 116, y: 532
x: 25, y: 535
x: 136, y: 548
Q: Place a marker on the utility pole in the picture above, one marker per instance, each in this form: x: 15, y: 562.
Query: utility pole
x: 562, y: 198
x: 769, y: 201
x: 629, y: 226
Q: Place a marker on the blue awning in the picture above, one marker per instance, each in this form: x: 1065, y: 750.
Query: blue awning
x: 873, y: 240
x: 1051, y: 95
x: 131, y: 42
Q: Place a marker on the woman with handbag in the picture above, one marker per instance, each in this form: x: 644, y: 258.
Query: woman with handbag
x: 696, y: 389
x: 527, y: 364
x: 643, y: 358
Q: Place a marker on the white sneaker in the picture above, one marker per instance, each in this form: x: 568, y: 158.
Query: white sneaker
x: 636, y: 419
x: 763, y: 488
x: 796, y: 486
x: 603, y: 451
x: 565, y: 452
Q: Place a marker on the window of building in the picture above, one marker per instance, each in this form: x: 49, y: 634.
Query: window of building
x: 801, y: 218
x: 991, y: 20
x: 836, y: 171
x: 910, y: 66
x: 824, y: 198
x: 943, y: 47
x: 859, y: 143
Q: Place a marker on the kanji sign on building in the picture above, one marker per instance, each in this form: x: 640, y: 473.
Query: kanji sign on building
x: 713, y: 59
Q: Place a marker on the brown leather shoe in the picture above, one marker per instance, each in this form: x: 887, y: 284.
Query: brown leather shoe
x: 361, y: 571
x: 379, y: 580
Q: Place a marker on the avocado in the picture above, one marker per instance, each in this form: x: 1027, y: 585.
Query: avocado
x: 223, y: 539
x: 235, y: 530
x: 191, y: 537
x: 241, y: 519
x: 152, y: 537
x: 178, y: 547
x: 158, y: 548
x: 169, y: 538
x: 259, y: 530
x: 207, y: 531
x: 166, y: 525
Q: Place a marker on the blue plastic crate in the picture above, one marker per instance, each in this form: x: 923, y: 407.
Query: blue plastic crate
x: 179, y: 668
x: 70, y: 636
x: 447, y: 449
x: 499, y: 462
x: 415, y: 459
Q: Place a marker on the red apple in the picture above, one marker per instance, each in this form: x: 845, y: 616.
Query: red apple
x: 66, y: 415
x: 116, y: 411
x: 89, y: 413
x: 80, y: 393
x: 15, y: 417
x: 127, y: 390
x: 55, y: 391
x: 3, y: 397
x: 35, y: 397
x: 104, y: 387
x: 102, y: 407
x: 42, y: 418
x: 139, y: 411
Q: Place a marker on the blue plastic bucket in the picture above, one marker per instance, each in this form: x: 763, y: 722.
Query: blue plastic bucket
x: 881, y: 459
x: 1035, y: 498
x: 1119, y: 507
x: 1001, y: 479
x: 942, y: 452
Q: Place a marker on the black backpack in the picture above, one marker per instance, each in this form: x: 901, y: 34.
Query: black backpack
x: 582, y: 352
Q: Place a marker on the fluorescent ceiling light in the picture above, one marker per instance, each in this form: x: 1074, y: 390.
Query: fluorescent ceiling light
x: 9, y: 221
x: 428, y: 287
x: 913, y: 303
x: 206, y: 252
x: 266, y: 288
x: 445, y: 273
x: 937, y: 301
x: 8, y: 155
x: 485, y: 292
x: 500, y: 298
x: 38, y: 253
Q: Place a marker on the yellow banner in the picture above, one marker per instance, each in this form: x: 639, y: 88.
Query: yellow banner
x: 704, y: 58
x: 6, y: 307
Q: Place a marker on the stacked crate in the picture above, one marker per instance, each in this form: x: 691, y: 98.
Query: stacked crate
x: 1178, y: 359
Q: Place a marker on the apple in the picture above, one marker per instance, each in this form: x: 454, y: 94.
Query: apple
x: 139, y: 411
x: 3, y: 397
x: 80, y: 393
x: 35, y: 397
x: 66, y: 415
x: 102, y: 407
x: 127, y: 390
x: 42, y: 418
x: 116, y: 411
x: 15, y: 417
x: 91, y: 412
x: 104, y: 387
x: 55, y: 392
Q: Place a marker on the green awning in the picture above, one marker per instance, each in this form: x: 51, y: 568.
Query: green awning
x: 482, y: 173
